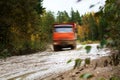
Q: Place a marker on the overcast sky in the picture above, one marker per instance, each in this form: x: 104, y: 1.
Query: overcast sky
x: 67, y: 5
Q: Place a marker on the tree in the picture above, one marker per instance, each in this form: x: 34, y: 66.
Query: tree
x: 47, y: 21
x: 111, y: 15
x: 90, y: 22
x: 19, y: 20
x: 62, y: 17
x: 75, y: 17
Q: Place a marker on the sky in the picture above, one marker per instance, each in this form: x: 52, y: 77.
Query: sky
x: 67, y: 5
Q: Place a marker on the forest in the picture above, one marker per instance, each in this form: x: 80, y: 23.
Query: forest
x: 26, y: 26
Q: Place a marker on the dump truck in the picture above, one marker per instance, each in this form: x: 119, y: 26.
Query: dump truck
x: 64, y: 36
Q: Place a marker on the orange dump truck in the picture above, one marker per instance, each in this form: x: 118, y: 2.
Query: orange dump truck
x: 64, y: 35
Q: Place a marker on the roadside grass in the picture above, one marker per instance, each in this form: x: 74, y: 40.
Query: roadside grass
x: 88, y: 42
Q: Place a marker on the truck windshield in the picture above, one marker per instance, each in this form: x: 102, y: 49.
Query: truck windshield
x: 63, y: 29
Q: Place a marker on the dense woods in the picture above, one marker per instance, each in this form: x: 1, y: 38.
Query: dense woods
x: 25, y: 25
x: 19, y: 26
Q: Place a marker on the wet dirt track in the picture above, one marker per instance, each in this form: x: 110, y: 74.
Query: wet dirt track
x: 44, y: 64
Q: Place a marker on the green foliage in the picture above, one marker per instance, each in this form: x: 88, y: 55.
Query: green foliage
x: 4, y: 54
x: 111, y: 78
x: 47, y: 21
x: 86, y: 76
x: 69, y: 61
x: 20, y: 25
x: 111, y: 15
x: 63, y: 17
x: 103, y: 43
x: 75, y: 17
x: 115, y: 78
x: 89, y: 21
x: 102, y: 79
x: 104, y: 25
x: 39, y: 9
x: 89, y: 42
x: 77, y: 63
x: 87, y: 61
x: 88, y: 48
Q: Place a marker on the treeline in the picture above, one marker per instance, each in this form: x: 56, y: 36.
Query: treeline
x: 103, y: 25
x: 26, y: 27
x: 93, y: 27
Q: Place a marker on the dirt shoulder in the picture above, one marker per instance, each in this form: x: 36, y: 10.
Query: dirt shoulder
x: 100, y: 69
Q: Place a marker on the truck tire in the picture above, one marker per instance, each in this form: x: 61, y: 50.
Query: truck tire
x: 56, y: 48
x: 73, y: 47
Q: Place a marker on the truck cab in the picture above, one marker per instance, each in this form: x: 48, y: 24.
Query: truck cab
x: 64, y: 35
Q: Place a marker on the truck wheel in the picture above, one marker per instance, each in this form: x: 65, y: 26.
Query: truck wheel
x: 73, y: 47
x: 56, y: 48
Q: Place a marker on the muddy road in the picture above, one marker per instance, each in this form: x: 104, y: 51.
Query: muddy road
x: 44, y: 64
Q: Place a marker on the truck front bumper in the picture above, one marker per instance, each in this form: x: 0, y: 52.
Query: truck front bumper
x: 65, y: 43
